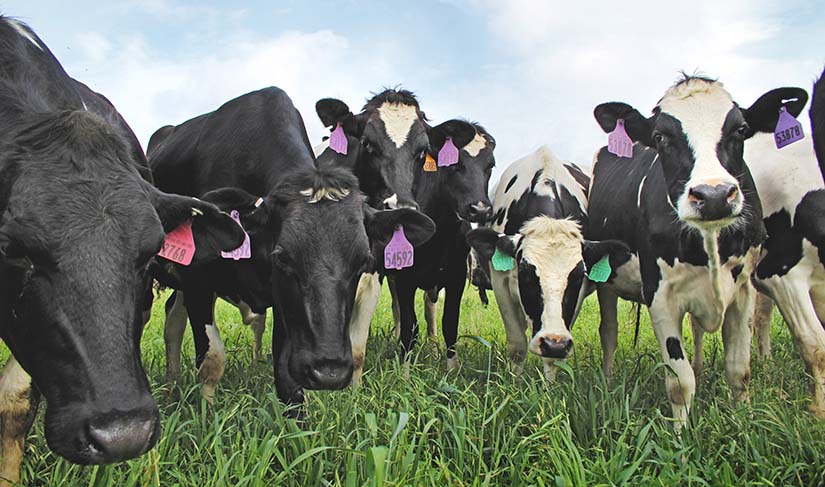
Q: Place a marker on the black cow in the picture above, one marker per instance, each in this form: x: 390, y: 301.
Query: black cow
x: 79, y: 226
x: 687, y: 207
x: 308, y: 237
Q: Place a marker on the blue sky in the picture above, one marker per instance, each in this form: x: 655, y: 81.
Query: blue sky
x: 530, y: 71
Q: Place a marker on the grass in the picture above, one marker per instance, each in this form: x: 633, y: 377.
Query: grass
x: 482, y: 426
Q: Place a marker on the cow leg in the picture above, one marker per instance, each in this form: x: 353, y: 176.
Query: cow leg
x: 452, y: 310
x: 18, y: 407
x: 505, y: 288
x: 608, y: 327
x: 698, y: 361
x: 762, y: 325
x: 396, y: 310
x: 430, y: 299
x: 258, y: 324
x: 405, y: 292
x: 366, y: 300
x: 173, y: 330
x: 681, y: 385
x: 792, y: 297
x: 210, y: 355
x: 736, y: 337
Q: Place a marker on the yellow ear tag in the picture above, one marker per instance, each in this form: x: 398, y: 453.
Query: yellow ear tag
x: 429, y: 164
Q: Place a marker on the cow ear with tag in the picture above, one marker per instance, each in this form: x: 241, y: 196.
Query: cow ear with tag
x: 637, y: 127
x: 764, y: 113
x: 334, y: 112
x: 604, y: 255
x: 448, y: 138
x: 382, y: 225
x: 493, y: 247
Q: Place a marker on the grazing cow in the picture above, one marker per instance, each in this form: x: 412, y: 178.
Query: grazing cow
x: 308, y: 235
x: 78, y: 228
x: 539, y: 209
x: 687, y: 207
x: 452, y: 196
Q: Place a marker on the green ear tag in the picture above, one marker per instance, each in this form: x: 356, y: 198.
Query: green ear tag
x: 600, y: 271
x: 502, y: 262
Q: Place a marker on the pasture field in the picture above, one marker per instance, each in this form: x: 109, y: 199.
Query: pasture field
x: 483, y: 426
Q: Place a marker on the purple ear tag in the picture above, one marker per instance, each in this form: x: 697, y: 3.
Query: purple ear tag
x: 399, y: 252
x: 338, y: 140
x: 788, y: 129
x: 448, y: 155
x: 618, y: 142
x: 245, y: 250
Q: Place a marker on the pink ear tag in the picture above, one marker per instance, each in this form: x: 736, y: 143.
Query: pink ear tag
x: 179, y: 244
x: 338, y: 140
x: 245, y: 250
x: 788, y: 129
x: 448, y: 155
x: 399, y: 252
x: 618, y: 142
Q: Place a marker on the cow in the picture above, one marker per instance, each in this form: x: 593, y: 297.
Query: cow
x: 309, y: 231
x: 539, y: 209
x: 687, y: 207
x: 79, y: 226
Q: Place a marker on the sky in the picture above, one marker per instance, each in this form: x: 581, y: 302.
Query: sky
x: 531, y: 72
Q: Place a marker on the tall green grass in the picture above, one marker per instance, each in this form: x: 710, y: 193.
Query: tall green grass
x: 481, y: 426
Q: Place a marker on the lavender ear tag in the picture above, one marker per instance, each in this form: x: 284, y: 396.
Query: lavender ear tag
x: 245, y: 250
x: 788, y: 129
x: 448, y: 155
x: 399, y: 252
x: 338, y: 140
x: 618, y: 142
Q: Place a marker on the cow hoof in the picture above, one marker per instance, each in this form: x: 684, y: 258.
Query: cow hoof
x: 453, y: 363
x: 356, y: 377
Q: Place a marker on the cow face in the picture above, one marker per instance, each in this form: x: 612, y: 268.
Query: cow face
x: 393, y: 142
x: 464, y: 185
x: 551, y: 259
x: 698, y: 133
x: 77, y: 232
x: 320, y: 231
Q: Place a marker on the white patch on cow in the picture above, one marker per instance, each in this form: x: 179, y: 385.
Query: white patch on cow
x: 476, y: 145
x: 213, y: 364
x: 320, y: 148
x: 391, y: 202
x: 315, y: 195
x: 398, y: 118
x: 15, y: 387
x: 366, y: 300
x: 701, y: 107
x: 453, y: 363
x: 554, y: 247
x: 24, y: 31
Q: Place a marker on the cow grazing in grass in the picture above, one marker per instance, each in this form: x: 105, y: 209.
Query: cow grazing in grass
x: 686, y: 205
x: 539, y: 209
x: 308, y: 228
x: 79, y: 226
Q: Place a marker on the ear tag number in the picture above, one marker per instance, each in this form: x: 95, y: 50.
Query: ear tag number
x: 618, y: 142
x: 448, y: 155
x: 245, y: 250
x: 502, y: 262
x: 399, y: 252
x: 600, y: 272
x: 179, y: 244
x: 429, y: 164
x: 788, y: 129
x: 338, y: 140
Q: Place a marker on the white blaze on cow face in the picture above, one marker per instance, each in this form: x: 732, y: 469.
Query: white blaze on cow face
x: 701, y: 107
x: 476, y: 145
x: 398, y: 119
x: 554, y: 248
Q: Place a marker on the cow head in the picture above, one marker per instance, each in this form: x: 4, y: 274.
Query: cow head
x: 392, y: 136
x: 464, y: 184
x: 551, y: 260
x: 698, y: 133
x: 319, y: 231
x: 78, y: 228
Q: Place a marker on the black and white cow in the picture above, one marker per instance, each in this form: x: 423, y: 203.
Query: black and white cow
x: 686, y: 205
x: 539, y: 209
x: 308, y: 228
x: 78, y: 228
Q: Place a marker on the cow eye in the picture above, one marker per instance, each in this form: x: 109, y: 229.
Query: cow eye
x: 658, y: 137
x: 743, y: 130
x: 281, y: 259
x: 367, y: 146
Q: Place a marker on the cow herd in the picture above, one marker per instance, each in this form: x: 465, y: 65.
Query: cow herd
x: 695, y: 210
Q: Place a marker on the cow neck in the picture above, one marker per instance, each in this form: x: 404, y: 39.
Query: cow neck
x: 434, y: 199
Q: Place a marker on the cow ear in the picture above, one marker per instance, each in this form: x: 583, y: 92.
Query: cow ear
x: 380, y: 225
x: 763, y: 115
x: 460, y: 131
x: 593, y: 251
x: 639, y: 128
x: 483, y: 240
x: 332, y: 111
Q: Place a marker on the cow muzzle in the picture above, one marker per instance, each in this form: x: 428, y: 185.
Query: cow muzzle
x: 549, y: 345
x: 711, y: 203
x: 330, y: 374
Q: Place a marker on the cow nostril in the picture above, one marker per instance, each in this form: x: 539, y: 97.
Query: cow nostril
x: 733, y: 192
x: 555, y: 347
